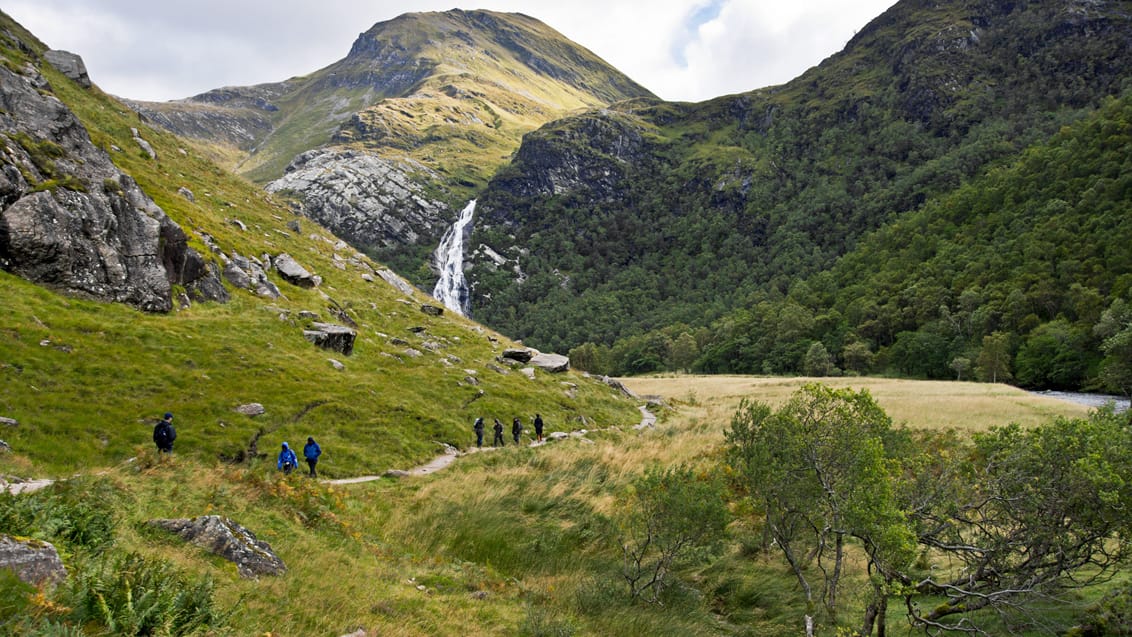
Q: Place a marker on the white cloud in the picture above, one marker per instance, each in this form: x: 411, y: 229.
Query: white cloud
x: 679, y: 49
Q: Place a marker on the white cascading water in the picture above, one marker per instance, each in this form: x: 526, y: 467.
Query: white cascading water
x: 452, y: 288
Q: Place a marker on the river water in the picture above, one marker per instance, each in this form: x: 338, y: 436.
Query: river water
x: 1089, y: 400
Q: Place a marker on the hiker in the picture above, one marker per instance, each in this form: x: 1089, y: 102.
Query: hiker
x: 311, y: 452
x: 498, y: 429
x: 516, y: 429
x: 287, y: 460
x: 479, y: 431
x: 538, y: 427
x: 164, y: 434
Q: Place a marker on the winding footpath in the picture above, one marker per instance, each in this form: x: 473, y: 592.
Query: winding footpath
x: 648, y: 421
x: 449, y: 455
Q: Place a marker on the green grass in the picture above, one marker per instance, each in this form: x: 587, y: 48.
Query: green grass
x: 514, y: 541
x: 87, y: 380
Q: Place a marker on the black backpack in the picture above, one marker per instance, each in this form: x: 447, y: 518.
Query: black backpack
x: 165, y: 434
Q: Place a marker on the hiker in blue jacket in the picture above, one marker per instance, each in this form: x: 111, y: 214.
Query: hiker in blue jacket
x: 287, y: 460
x: 311, y: 452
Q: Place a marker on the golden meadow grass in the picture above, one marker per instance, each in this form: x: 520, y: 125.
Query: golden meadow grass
x: 962, y: 406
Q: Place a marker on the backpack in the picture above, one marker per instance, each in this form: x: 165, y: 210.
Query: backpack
x: 164, y: 435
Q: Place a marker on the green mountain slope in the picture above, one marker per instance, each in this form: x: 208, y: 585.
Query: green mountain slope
x: 1026, y: 264
x: 685, y: 212
x: 453, y: 90
x: 386, y: 145
x: 85, y: 380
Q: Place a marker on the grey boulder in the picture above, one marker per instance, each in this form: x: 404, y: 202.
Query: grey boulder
x: 219, y: 535
x: 34, y: 561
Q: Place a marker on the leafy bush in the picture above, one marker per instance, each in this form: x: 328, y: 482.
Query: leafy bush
x: 674, y: 515
x: 1112, y: 616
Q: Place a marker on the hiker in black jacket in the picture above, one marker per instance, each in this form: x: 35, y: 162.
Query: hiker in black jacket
x: 478, y: 427
x: 164, y: 434
x: 498, y: 429
x: 516, y: 429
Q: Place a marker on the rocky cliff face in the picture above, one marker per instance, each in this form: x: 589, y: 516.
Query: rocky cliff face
x: 367, y: 200
x: 69, y: 219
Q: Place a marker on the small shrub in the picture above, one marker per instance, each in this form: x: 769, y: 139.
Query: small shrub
x: 14, y: 598
x: 134, y: 595
x: 541, y: 622
x: 1111, y: 617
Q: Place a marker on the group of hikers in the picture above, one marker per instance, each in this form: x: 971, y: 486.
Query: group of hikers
x: 287, y: 460
x: 164, y: 434
x: 516, y: 431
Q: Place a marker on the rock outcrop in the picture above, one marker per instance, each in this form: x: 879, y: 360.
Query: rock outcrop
x: 224, y: 537
x: 71, y: 65
x: 338, y: 338
x: 294, y: 273
x: 70, y: 220
x: 521, y: 354
x: 367, y: 200
x: 553, y: 363
x: 34, y: 561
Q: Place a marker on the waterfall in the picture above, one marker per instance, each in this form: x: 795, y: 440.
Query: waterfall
x: 452, y: 288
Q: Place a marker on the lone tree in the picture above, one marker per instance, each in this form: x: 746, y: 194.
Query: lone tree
x: 1041, y: 512
x: 818, y: 470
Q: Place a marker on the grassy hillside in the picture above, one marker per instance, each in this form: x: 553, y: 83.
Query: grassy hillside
x: 97, y: 375
x: 521, y: 541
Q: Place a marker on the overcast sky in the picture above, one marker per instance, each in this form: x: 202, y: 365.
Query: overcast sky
x: 679, y: 49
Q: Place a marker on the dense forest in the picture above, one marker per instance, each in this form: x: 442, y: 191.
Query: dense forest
x: 955, y: 173
x: 1007, y: 278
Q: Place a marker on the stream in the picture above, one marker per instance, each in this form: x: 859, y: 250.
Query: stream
x: 1089, y: 400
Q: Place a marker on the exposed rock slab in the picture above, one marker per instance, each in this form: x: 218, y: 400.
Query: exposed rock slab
x: 396, y: 281
x: 34, y: 561
x: 553, y: 363
x: 220, y: 535
x: 521, y: 354
x: 69, y: 64
x: 292, y: 272
x: 367, y: 200
x: 338, y: 338
x: 251, y: 409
